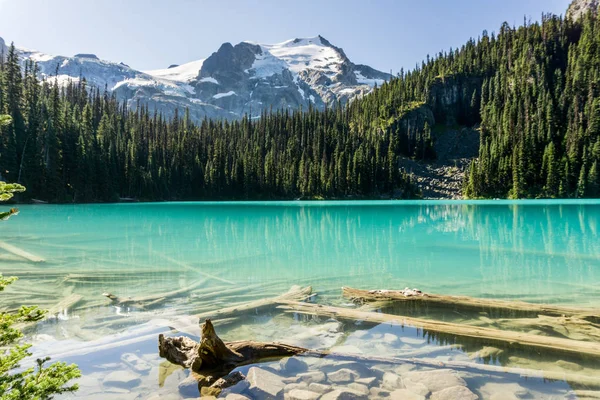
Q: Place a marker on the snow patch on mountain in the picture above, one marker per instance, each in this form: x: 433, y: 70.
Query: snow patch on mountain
x: 304, y: 54
x: 167, y: 87
x: 221, y: 95
x: 360, y: 78
x: 209, y: 79
x: 184, y: 73
x: 266, y: 65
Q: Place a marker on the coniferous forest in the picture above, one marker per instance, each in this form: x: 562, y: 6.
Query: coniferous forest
x: 533, y: 92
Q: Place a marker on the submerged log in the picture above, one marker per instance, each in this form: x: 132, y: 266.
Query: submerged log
x: 153, y: 299
x: 20, y: 252
x: 63, y: 305
x: 464, y: 302
x: 481, y: 333
x: 296, y: 293
x: 188, y: 267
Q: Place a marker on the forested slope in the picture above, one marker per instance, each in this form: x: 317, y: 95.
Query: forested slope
x: 533, y: 92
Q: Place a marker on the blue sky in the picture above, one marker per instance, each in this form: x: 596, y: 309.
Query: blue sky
x: 150, y: 34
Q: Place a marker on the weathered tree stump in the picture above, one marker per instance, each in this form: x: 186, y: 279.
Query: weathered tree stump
x: 212, y: 359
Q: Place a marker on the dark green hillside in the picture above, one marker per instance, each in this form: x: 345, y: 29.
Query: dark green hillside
x: 533, y: 93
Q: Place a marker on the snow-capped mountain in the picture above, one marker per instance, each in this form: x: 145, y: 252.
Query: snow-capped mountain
x: 235, y: 80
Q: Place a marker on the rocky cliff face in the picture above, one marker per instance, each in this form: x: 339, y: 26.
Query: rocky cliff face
x: 578, y: 8
x: 235, y: 80
x: 450, y: 99
x: 3, y: 48
x: 249, y: 77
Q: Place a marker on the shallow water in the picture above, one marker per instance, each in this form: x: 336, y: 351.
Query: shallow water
x: 537, y: 251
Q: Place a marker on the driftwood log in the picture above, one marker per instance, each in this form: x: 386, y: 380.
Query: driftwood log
x: 296, y: 293
x: 465, y: 302
x: 20, y: 252
x: 512, y: 338
x: 150, y: 300
x: 212, y: 359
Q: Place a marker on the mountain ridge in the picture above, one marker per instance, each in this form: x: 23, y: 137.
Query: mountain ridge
x: 235, y: 80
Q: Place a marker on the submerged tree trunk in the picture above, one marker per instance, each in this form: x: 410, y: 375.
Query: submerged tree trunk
x: 544, y: 343
x: 465, y: 302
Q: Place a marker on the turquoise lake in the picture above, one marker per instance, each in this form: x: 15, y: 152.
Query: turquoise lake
x: 540, y: 251
x: 536, y: 251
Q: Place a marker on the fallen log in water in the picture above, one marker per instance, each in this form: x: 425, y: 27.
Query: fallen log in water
x: 481, y: 333
x: 463, y: 302
x: 213, y: 359
x: 20, y: 252
x: 296, y: 293
x: 64, y: 304
x: 188, y: 267
x: 153, y: 299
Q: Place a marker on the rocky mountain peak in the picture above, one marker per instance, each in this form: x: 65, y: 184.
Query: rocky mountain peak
x: 579, y: 8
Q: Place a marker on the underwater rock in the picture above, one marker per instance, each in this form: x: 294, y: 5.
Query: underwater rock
x: 405, y: 394
x: 122, y: 379
x: 454, y: 393
x: 417, y: 388
x: 377, y: 392
x: 392, y: 381
x: 434, y: 380
x: 404, y: 368
x: 136, y: 363
x: 293, y: 365
x: 359, y: 388
x: 189, y: 387
x: 509, y: 390
x: 264, y: 384
x: 319, y: 388
x: 314, y: 376
x: 344, y: 394
x: 236, y: 396
x: 299, y: 394
x: 367, y: 381
x: 343, y: 375
x: 238, y: 388
x: 292, y: 386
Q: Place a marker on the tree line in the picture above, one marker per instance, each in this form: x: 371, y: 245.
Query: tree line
x: 533, y: 92
x: 79, y: 144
